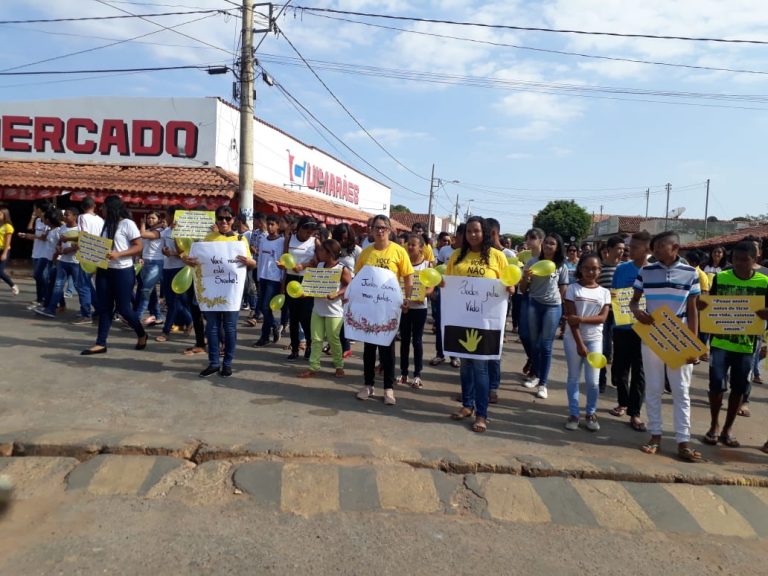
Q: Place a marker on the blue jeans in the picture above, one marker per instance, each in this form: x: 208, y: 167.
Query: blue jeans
x: 221, y: 325
x: 268, y: 289
x: 64, y: 272
x: 40, y: 274
x: 474, y: 385
x: 724, y: 362
x: 494, y: 374
x: 3, y: 275
x: 86, y: 293
x: 543, y: 321
x: 177, y: 304
x: 151, y: 274
x: 114, y: 288
x: 575, y: 364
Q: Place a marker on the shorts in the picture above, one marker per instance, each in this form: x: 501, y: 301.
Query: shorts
x: 721, y: 362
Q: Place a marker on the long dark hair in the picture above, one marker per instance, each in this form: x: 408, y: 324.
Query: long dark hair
x: 485, y: 247
x: 114, y: 211
x: 559, y: 257
x: 338, y: 233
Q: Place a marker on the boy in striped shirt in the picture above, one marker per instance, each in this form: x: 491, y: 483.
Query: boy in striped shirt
x: 668, y: 282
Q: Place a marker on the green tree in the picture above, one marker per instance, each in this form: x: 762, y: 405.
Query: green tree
x: 400, y: 208
x: 564, y: 217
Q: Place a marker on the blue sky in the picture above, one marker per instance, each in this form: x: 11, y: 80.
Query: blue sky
x: 512, y: 125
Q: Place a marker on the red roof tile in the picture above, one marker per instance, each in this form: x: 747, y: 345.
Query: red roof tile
x: 731, y: 238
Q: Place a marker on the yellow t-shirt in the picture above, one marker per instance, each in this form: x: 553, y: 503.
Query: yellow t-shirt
x: 473, y: 265
x: 703, y: 280
x: 428, y: 253
x: 393, y: 257
x: 6, y: 228
x: 218, y: 237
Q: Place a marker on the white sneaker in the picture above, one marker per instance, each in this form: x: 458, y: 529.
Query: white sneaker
x: 542, y: 392
x: 592, y: 424
x: 365, y: 392
x: 531, y: 382
x: 15, y: 290
x: 572, y: 423
x: 389, y: 397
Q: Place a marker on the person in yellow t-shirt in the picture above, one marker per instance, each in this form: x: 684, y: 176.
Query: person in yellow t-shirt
x: 6, y: 233
x: 384, y: 253
x: 427, y: 252
x: 215, y: 321
x: 478, y: 259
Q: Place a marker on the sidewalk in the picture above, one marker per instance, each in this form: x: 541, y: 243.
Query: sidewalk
x: 58, y: 403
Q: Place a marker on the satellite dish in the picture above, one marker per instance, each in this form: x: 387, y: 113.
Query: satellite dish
x: 676, y: 212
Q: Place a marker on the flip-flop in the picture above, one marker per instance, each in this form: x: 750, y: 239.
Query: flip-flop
x: 690, y: 455
x: 728, y: 440
x: 493, y: 398
x: 638, y: 426
x: 709, y: 438
x: 463, y: 414
x: 161, y: 338
x: 479, y: 427
x: 618, y: 411
x: 764, y: 448
x: 193, y: 350
x: 744, y: 411
x: 650, y: 448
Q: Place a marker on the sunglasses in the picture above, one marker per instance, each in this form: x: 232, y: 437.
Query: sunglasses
x: 381, y: 228
x: 223, y: 218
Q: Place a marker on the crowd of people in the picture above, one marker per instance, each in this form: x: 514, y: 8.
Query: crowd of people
x: 571, y: 301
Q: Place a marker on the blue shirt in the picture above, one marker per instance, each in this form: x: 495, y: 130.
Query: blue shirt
x: 668, y: 286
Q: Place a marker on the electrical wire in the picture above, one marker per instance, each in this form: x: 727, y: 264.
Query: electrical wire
x: 349, y: 113
x: 106, y: 70
x: 529, y: 28
x: 116, y: 17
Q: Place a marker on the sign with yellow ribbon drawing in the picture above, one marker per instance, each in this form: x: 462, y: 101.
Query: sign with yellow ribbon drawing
x: 473, y: 314
x: 219, y: 277
x: 670, y: 338
x: 620, y: 298
x: 732, y: 315
x: 321, y: 282
x: 93, y: 249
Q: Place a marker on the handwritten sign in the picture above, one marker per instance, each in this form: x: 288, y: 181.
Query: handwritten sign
x: 732, y: 315
x: 321, y: 282
x: 669, y: 338
x: 473, y: 315
x: 418, y: 291
x: 219, y: 277
x: 195, y: 224
x: 620, y: 298
x: 93, y: 249
x: 372, y: 310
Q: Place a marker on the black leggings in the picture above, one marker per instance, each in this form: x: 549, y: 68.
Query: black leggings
x: 197, y: 318
x: 412, y: 330
x: 387, y: 358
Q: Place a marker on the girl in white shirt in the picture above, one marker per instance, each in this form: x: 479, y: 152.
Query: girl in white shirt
x: 115, y: 284
x: 151, y: 269
x: 413, y: 321
x: 586, y: 308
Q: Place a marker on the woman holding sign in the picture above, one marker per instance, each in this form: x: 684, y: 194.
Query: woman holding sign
x: 114, y: 285
x: 384, y: 253
x: 476, y: 259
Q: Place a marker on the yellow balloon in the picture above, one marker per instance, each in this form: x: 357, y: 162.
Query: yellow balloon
x: 597, y: 360
x: 430, y: 277
x: 441, y: 268
x: 277, y: 302
x: 288, y: 261
x: 543, y: 268
x: 513, y: 261
x: 524, y: 256
x: 88, y: 267
x: 137, y: 268
x: 294, y: 289
x: 182, y: 281
x: 511, y: 275
x: 185, y: 244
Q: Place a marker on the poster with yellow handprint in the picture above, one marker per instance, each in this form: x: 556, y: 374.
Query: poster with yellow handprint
x: 473, y: 313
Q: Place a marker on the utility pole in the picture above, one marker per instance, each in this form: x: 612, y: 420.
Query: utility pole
x: 666, y: 214
x: 246, y: 114
x: 706, y: 211
x: 647, y: 198
x: 456, y: 214
x: 431, y: 196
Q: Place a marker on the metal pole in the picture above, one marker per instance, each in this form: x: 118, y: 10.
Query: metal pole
x: 666, y: 214
x: 647, y: 198
x: 456, y: 214
x: 431, y: 195
x: 706, y: 211
x: 246, y: 114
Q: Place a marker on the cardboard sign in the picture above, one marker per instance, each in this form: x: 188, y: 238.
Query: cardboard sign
x: 670, y: 339
x: 195, y: 224
x: 418, y: 291
x: 93, y: 249
x: 732, y: 315
x: 320, y: 282
x: 372, y: 310
x: 473, y: 315
x: 219, y: 277
x: 620, y: 299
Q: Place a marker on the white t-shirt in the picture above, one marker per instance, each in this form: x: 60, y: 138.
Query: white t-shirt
x: 90, y: 223
x: 444, y: 253
x: 328, y: 308
x: 269, y: 253
x: 349, y: 259
x: 152, y: 248
x: 509, y: 253
x: 38, y: 246
x: 170, y: 262
x: 126, y: 232
x: 302, y: 252
x: 63, y: 231
x: 48, y: 246
x: 588, y: 302
x: 423, y: 304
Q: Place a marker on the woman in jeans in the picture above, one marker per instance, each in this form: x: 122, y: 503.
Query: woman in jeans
x: 114, y: 285
x: 545, y: 301
x: 152, y: 268
x: 6, y: 233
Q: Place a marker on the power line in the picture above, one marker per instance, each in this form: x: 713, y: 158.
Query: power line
x: 528, y: 28
x: 545, y: 50
x: 116, y: 17
x: 349, y: 113
x: 106, y: 70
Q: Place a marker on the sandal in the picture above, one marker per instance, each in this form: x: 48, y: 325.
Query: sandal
x: 455, y: 363
x: 618, y: 411
x: 463, y: 414
x: 651, y: 448
x: 339, y: 373
x: 744, y: 411
x: 308, y: 374
x: 638, y: 426
x: 728, y: 440
x: 437, y: 360
x: 251, y: 322
x: 161, y: 338
x: 709, y: 438
x: 193, y: 350
x: 764, y: 448
x: 689, y: 455
x: 493, y: 398
x: 480, y: 425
